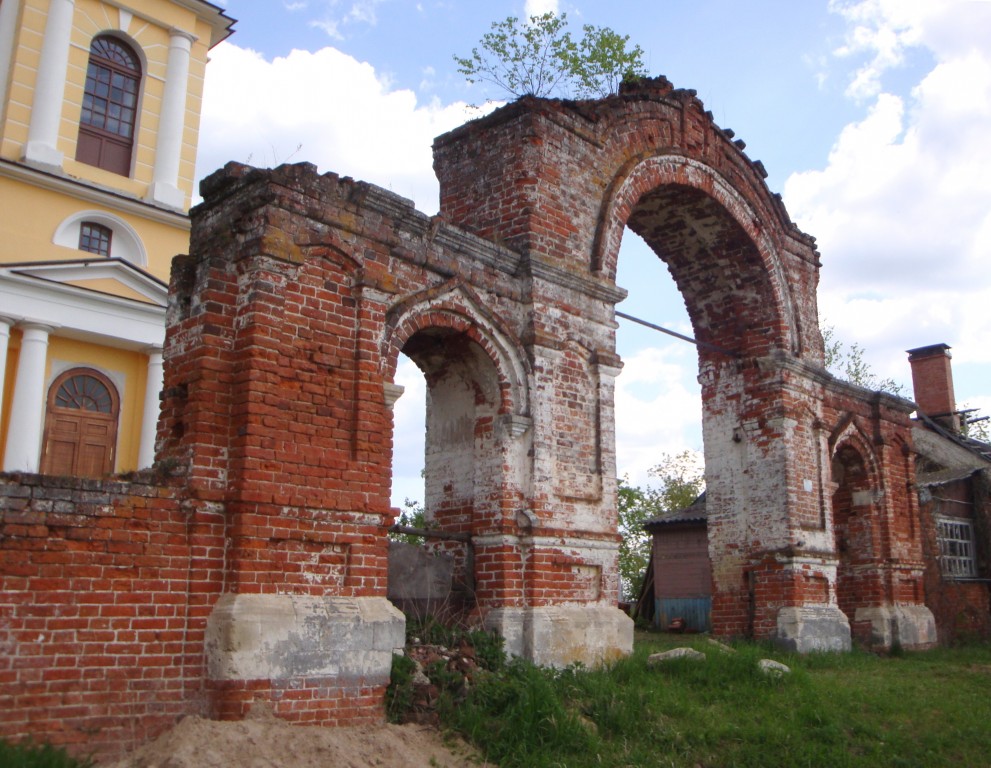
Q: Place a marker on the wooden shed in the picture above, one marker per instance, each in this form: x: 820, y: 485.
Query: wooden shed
x: 678, y: 583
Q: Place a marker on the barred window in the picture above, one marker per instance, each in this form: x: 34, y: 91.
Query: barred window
x: 956, y: 547
x: 95, y: 238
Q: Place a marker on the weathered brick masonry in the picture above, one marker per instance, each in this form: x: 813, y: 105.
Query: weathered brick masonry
x: 107, y: 586
x: 285, y: 325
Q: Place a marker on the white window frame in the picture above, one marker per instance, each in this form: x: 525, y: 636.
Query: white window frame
x: 957, y: 547
x: 126, y: 243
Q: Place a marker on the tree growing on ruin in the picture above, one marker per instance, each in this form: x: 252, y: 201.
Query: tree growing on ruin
x: 848, y: 363
x: 539, y: 57
x: 603, y: 62
x: 680, y: 479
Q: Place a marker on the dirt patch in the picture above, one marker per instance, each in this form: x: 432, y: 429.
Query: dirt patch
x: 264, y: 741
x: 267, y: 742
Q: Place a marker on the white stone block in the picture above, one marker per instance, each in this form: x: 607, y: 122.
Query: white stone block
x: 279, y: 637
x: 806, y: 629
x: 674, y: 654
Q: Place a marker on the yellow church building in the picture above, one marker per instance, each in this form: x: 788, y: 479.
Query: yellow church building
x: 99, y: 119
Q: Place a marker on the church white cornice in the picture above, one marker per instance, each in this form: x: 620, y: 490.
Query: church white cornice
x: 81, y: 313
x: 85, y: 191
x: 72, y: 271
x: 220, y: 23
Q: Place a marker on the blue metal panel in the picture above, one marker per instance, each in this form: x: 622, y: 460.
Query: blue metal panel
x: 696, y: 611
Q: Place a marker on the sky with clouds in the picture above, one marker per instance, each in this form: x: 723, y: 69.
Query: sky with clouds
x: 872, y: 118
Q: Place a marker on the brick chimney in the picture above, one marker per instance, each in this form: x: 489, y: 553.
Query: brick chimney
x: 932, y: 380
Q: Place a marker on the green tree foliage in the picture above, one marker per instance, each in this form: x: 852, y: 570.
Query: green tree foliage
x: 848, y: 363
x: 634, y: 505
x: 602, y: 62
x: 975, y: 426
x: 540, y: 58
x: 412, y: 516
x: 680, y: 479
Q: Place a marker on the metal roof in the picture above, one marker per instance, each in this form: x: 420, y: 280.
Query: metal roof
x: 694, y: 513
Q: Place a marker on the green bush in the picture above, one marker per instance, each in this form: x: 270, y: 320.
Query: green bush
x: 451, y: 675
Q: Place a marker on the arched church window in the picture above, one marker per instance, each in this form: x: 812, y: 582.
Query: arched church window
x: 110, y: 103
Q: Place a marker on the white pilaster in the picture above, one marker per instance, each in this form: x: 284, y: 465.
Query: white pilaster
x: 168, y: 147
x: 23, y: 452
x: 8, y: 27
x: 5, y: 324
x: 49, y: 91
x: 149, y: 418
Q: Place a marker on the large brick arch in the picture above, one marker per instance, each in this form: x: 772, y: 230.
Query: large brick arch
x: 711, y: 239
x: 560, y: 182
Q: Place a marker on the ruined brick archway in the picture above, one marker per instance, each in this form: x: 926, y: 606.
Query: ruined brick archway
x: 853, y: 524
x: 251, y: 564
x: 302, y: 290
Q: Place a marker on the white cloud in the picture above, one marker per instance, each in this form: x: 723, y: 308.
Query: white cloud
x: 655, y: 412
x: 339, y: 113
x: 364, y: 12
x: 540, y: 7
x: 902, y: 211
x: 333, y: 21
x: 330, y: 27
x: 429, y: 78
x: 883, y: 30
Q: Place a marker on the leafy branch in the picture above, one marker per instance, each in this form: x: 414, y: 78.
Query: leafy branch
x: 540, y: 58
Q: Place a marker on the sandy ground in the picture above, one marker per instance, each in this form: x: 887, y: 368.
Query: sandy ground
x: 266, y: 742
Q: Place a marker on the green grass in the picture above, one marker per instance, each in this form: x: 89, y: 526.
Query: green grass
x: 925, y: 709
x: 26, y: 754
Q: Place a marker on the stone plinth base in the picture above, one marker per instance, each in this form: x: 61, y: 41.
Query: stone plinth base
x: 910, y: 626
x: 811, y: 628
x: 299, y: 637
x: 559, y: 635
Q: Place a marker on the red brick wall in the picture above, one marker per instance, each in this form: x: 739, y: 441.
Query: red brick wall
x: 962, y: 609
x: 274, y: 397
x: 106, y: 587
x: 876, y: 525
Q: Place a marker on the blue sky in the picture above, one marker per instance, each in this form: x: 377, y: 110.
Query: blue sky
x: 872, y: 117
